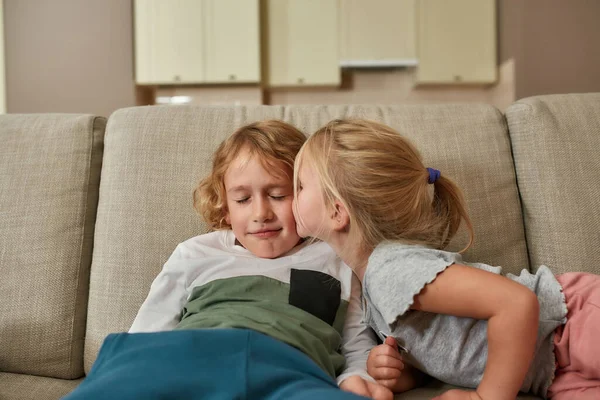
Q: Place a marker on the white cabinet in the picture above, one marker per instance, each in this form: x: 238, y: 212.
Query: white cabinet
x: 232, y: 41
x: 456, y: 41
x: 168, y: 41
x: 302, y: 43
x: 377, y: 33
x: 196, y: 41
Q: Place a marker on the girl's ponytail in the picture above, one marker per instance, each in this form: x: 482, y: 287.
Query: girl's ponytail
x: 449, y: 204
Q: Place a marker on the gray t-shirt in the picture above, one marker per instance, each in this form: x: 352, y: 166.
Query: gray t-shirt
x: 451, y: 349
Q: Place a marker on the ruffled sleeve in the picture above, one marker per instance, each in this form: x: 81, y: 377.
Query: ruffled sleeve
x: 396, y: 273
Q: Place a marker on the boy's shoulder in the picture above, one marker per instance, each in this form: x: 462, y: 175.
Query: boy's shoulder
x: 206, y: 244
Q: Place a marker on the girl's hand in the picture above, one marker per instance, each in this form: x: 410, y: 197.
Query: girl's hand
x: 385, y: 364
x: 457, y: 394
x: 357, y: 385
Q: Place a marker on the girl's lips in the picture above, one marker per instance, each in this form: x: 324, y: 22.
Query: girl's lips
x: 267, y: 233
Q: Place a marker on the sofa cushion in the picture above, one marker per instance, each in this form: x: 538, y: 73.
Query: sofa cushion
x: 49, y: 177
x: 29, y: 387
x: 154, y: 157
x: 555, y: 142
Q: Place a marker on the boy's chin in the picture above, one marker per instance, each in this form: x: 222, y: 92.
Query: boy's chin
x: 273, y: 250
x: 270, y: 254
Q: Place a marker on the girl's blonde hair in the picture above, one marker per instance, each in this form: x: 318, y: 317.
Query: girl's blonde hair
x: 276, y: 145
x: 379, y: 177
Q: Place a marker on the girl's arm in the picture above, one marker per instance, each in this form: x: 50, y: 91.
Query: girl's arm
x: 512, y: 311
x: 161, y: 311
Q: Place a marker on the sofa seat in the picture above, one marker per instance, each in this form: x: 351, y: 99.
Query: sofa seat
x: 31, y: 387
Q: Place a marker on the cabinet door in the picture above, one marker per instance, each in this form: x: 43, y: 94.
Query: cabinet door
x: 232, y: 41
x: 168, y: 41
x: 456, y: 41
x: 377, y: 33
x: 302, y: 39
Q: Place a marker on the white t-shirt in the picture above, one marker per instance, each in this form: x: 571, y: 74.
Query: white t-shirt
x: 216, y: 256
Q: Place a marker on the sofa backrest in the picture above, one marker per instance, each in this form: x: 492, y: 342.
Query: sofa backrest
x: 556, y: 144
x: 154, y: 157
x: 49, y: 177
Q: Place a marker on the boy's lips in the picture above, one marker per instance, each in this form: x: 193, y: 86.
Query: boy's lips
x: 266, y: 233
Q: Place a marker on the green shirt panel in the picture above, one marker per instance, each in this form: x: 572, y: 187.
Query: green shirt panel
x: 261, y: 304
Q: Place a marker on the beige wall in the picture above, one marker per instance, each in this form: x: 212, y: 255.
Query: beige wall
x: 561, y: 47
x: 70, y: 56
x: 554, y: 43
x: 77, y: 56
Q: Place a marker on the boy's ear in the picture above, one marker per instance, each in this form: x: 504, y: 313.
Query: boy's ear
x: 340, y: 219
x: 227, y: 219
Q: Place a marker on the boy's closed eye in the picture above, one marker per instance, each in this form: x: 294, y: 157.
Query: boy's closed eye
x: 279, y: 193
x: 276, y: 197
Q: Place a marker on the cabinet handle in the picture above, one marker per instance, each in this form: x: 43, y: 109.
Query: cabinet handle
x: 177, y: 78
x: 300, y: 80
x: 232, y: 77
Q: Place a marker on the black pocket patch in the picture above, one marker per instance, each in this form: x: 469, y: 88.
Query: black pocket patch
x: 316, y: 293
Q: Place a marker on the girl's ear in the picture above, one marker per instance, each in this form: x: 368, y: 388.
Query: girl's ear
x: 227, y: 219
x: 340, y: 219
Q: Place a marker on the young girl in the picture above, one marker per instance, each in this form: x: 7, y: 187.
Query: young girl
x: 362, y: 188
x: 249, y: 310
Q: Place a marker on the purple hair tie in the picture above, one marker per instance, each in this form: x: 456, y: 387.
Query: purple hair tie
x: 434, y: 175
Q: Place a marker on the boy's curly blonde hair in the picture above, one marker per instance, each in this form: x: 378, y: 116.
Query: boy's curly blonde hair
x: 276, y: 145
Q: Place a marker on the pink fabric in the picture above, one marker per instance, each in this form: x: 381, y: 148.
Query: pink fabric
x: 577, y: 343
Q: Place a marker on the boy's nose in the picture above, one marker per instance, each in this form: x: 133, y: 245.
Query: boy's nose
x: 262, y: 211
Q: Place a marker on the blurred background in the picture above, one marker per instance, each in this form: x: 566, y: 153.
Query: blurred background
x: 95, y: 56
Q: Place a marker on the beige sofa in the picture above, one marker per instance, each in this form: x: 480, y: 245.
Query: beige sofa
x: 90, y: 210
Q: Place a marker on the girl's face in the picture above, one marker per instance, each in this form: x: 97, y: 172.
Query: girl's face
x: 309, y: 207
x: 259, y: 206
